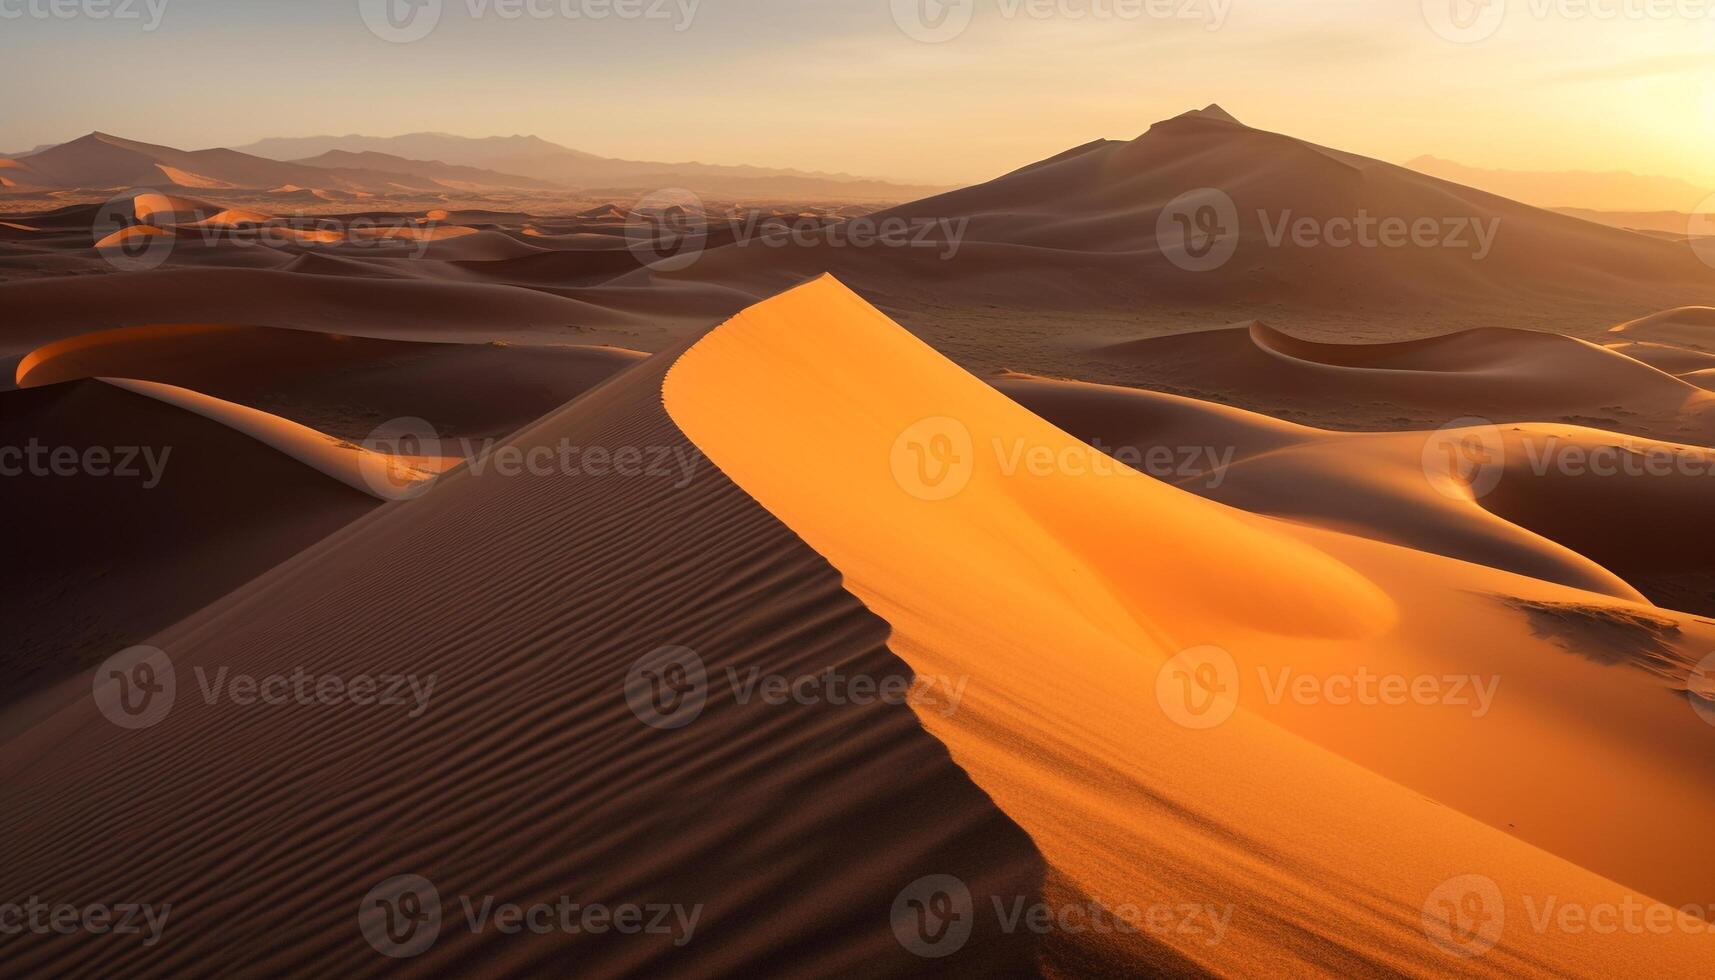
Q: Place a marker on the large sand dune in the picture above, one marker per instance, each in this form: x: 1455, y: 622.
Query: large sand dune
x: 1064, y: 597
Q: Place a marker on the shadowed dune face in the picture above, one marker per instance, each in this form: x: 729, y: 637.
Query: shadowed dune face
x: 112, y: 559
x: 340, y: 385
x: 1014, y: 579
x: 246, y: 445
x: 527, y: 776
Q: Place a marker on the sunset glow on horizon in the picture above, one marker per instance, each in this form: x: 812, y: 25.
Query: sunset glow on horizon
x: 864, y: 89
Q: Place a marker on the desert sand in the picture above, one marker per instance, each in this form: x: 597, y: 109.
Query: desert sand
x: 1123, y: 527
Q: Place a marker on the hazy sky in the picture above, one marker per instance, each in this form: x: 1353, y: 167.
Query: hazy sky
x: 840, y: 85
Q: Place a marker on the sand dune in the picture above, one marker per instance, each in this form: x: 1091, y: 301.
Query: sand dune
x: 337, y: 459
x: 869, y: 508
x: 526, y: 777
x: 132, y: 236
x: 43, y: 311
x: 1556, y: 502
x: 1063, y: 597
x: 1686, y: 326
x: 1495, y: 374
x: 343, y: 386
x: 1675, y: 360
x: 1081, y: 231
x: 106, y: 561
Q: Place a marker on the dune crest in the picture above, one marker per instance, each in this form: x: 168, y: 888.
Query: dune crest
x: 351, y: 465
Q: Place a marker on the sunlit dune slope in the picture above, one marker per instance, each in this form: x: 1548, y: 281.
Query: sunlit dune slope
x: 1064, y: 595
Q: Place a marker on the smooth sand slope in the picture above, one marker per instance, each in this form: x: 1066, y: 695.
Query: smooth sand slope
x: 527, y: 777
x: 1063, y: 597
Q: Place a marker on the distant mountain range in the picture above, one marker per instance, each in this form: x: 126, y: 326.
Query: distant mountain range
x: 1609, y: 191
x: 542, y: 160
x: 421, y: 162
x: 538, y: 159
